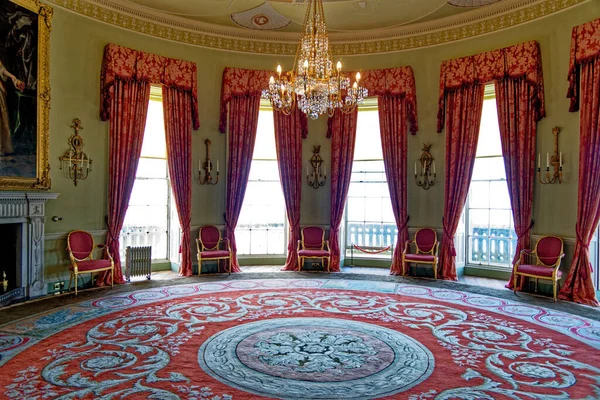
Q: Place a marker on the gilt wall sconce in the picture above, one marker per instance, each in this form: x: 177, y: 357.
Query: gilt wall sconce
x: 556, y: 161
x: 75, y: 162
x: 426, y: 176
x: 208, y: 167
x: 316, y: 173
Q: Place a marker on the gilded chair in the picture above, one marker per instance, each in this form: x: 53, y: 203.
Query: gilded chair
x: 80, y: 245
x: 212, y: 247
x: 426, y: 250
x: 541, y: 263
x: 313, y: 245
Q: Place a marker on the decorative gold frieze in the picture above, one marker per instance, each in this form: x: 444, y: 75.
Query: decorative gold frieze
x: 226, y: 39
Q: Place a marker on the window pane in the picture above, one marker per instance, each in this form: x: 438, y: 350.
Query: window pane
x: 261, y: 225
x: 264, y: 171
x: 152, y: 168
x: 499, y: 197
x: 489, y: 131
x: 370, y: 221
x: 264, y: 146
x: 149, y: 192
x: 146, y: 216
x: 479, y: 222
x: 356, y: 209
x: 490, y: 235
x: 496, y: 168
x: 480, y: 195
x: 368, y: 142
x: 154, y: 144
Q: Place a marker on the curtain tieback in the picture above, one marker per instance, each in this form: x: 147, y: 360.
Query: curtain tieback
x: 405, y: 224
x: 526, y: 231
x: 449, y: 239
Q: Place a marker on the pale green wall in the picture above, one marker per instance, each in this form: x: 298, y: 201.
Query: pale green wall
x: 77, y: 45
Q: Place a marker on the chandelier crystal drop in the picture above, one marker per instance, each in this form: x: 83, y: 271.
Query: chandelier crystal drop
x: 314, y: 85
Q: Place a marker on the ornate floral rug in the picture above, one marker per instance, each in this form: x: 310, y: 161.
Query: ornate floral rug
x: 300, y: 339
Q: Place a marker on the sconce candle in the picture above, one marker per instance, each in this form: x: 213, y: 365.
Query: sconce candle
x: 207, y: 179
x: 318, y: 176
x: 75, y: 162
x: 556, y: 161
x: 427, y: 164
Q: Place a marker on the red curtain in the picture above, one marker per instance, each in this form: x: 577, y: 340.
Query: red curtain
x: 518, y: 127
x: 243, y: 122
x: 127, y: 122
x: 288, y: 142
x: 177, y: 108
x: 520, y: 89
x: 463, y: 116
x: 585, y: 68
x: 393, y: 112
x: 343, y: 136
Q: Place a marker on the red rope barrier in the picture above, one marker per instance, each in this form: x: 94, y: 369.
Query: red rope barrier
x: 371, y: 251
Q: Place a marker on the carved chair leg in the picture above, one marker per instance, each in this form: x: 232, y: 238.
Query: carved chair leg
x: 554, y: 289
x: 75, y: 284
x: 328, y: 263
x: 199, y: 266
x: 230, y: 266
x: 112, y: 277
x: 435, y: 271
x: 300, y: 262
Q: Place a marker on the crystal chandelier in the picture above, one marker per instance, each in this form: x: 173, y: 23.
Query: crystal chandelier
x: 313, y: 85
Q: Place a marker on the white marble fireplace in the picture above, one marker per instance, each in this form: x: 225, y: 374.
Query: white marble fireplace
x: 27, y: 211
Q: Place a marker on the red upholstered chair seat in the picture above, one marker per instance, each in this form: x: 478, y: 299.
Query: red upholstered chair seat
x: 214, y: 254
x: 419, y: 258
x: 426, y: 246
x: 90, y: 265
x: 80, y: 245
x: 211, y: 246
x: 313, y: 253
x: 313, y: 245
x: 540, y: 263
x: 538, y: 270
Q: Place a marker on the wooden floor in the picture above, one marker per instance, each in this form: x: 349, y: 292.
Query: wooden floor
x: 470, y: 280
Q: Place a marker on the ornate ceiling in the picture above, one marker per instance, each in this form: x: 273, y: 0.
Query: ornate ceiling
x: 356, y: 26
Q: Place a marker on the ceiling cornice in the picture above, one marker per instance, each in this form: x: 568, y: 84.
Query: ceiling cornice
x: 495, y: 17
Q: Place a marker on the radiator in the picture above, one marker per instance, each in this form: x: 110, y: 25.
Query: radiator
x: 138, y: 261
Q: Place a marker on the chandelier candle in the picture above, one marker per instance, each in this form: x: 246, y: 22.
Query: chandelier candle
x: 313, y: 85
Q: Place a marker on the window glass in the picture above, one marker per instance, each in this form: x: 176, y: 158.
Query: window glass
x: 370, y: 222
x: 491, y: 237
x: 151, y: 218
x: 261, y: 228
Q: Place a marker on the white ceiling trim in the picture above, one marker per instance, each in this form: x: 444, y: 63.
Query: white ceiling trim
x: 500, y: 15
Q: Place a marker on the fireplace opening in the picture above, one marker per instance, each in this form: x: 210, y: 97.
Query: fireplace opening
x: 10, y: 251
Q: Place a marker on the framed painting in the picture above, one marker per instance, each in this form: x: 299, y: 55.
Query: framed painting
x: 24, y: 94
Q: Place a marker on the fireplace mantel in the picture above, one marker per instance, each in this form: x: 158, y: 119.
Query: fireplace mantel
x: 29, y: 209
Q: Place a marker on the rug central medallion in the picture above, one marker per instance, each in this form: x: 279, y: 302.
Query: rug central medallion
x: 323, y: 356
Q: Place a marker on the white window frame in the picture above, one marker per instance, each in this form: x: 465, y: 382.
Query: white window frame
x: 265, y: 106
x: 466, y: 236
x: 173, y: 233
x: 370, y: 104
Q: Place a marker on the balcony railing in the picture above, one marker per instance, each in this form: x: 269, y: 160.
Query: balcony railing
x: 495, y: 248
x: 155, y: 236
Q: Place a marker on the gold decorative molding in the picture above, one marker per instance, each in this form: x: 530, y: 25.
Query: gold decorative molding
x: 498, y: 16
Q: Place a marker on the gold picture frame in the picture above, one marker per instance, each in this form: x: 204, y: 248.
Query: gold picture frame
x: 25, y: 95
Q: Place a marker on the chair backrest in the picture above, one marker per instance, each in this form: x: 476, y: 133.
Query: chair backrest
x: 425, y: 239
x: 210, y: 236
x: 549, y: 250
x: 81, y: 244
x: 313, y: 237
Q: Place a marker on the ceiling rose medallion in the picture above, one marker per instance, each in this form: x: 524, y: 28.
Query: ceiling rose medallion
x: 314, y: 85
